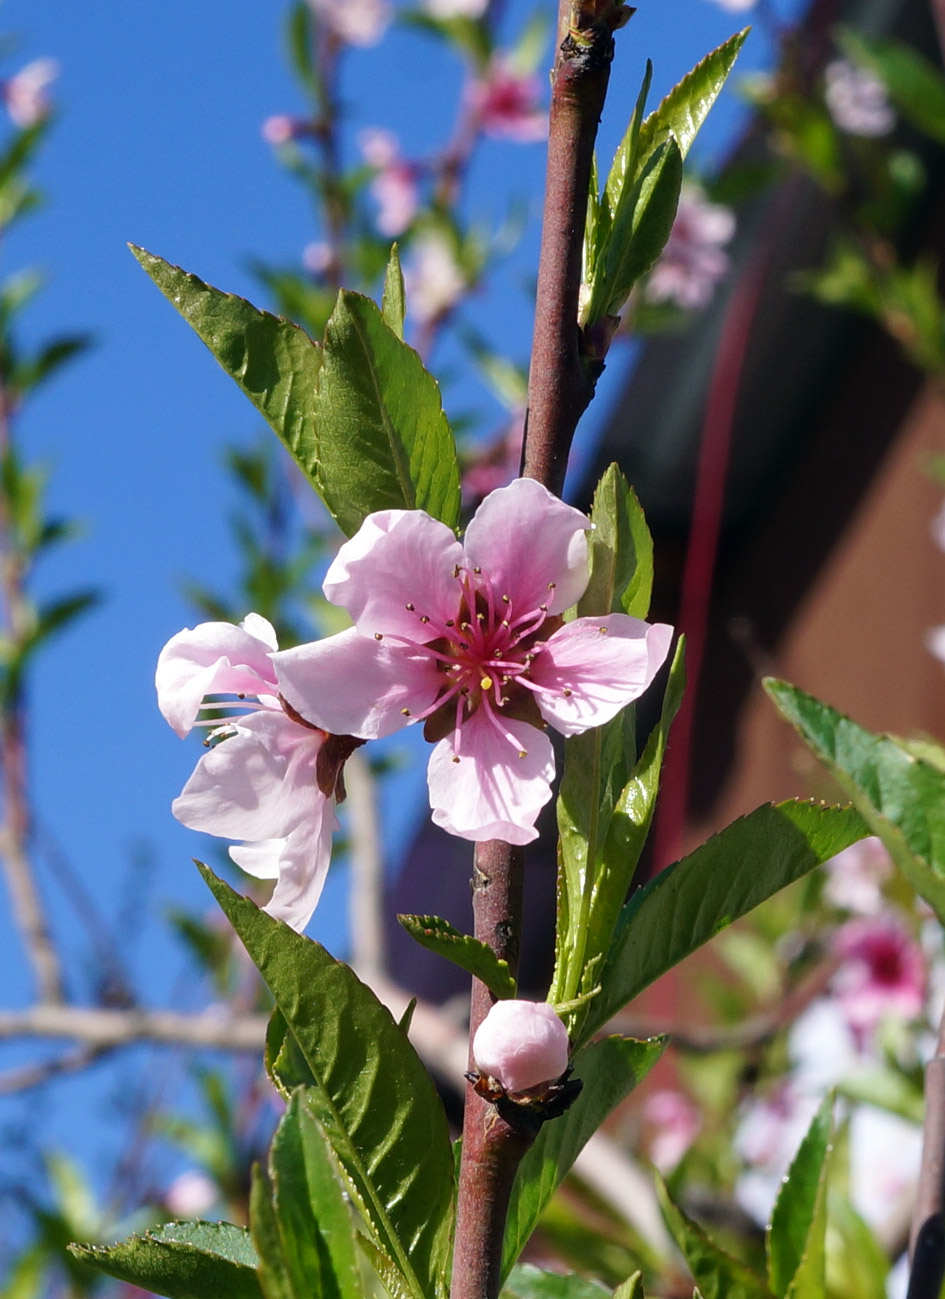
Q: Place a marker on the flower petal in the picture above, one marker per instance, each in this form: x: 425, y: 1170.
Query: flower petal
x: 491, y: 792
x: 594, y: 666
x: 397, y: 558
x: 299, y: 864
x: 214, y: 658
x: 525, y: 539
x: 258, y: 783
x: 350, y: 685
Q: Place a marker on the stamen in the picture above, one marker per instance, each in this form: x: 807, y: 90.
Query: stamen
x: 405, y: 712
x: 485, y: 683
x: 602, y: 630
x: 409, y: 608
x: 378, y: 636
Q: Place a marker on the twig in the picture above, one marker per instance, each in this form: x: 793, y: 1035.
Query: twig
x: 367, y: 872
x: 213, y: 1029
x: 927, y: 1237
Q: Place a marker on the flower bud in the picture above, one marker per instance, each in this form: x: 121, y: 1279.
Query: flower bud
x: 521, y: 1044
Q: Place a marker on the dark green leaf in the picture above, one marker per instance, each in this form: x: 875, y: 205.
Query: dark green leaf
x: 183, y: 1260
x: 299, y: 31
x: 732, y: 873
x: 718, y: 1275
x: 915, y: 85
x: 48, y: 360
x: 56, y: 614
x: 394, y: 303
x: 367, y: 1088
x: 901, y: 798
x: 274, y: 362
x: 529, y: 1282
x: 463, y: 950
x: 383, y: 441
x: 609, y: 1070
x: 796, y: 1231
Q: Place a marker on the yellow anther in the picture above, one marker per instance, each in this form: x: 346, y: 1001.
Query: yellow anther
x: 485, y: 683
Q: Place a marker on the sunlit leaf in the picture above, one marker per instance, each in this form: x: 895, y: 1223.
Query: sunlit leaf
x: 795, y: 1240
x: 717, y: 1273
x: 479, y: 960
x: 182, y: 1260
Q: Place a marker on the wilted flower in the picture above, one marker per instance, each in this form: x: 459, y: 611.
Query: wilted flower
x: 693, y: 261
x: 433, y: 278
x: 856, y: 875
x: 469, y: 640
x: 358, y: 22
x: 675, y: 1123
x: 507, y: 103
x: 883, y: 973
x: 394, y: 188
x: 264, y: 779
x: 25, y: 93
x: 521, y: 1044
x: 857, y: 99
x: 190, y: 1195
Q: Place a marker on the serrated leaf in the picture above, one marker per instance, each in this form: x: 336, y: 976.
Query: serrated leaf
x: 367, y: 1088
x: 529, y: 1282
x: 796, y: 1230
x: 717, y: 1274
x: 383, y: 441
x: 620, y: 551
x: 274, y: 362
x: 274, y: 1275
x: 687, y: 105
x: 393, y: 301
x: 182, y: 1260
x: 468, y: 953
x: 915, y: 85
x: 609, y: 1070
x: 697, y: 897
x: 625, y: 158
x: 901, y: 798
x: 642, y: 221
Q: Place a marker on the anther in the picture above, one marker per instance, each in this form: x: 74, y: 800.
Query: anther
x: 477, y: 570
x: 567, y: 692
x: 241, y: 695
x: 405, y: 712
x: 409, y: 608
x: 552, y: 585
x: 455, y: 758
x: 602, y: 630
x: 450, y: 622
x: 485, y: 683
x: 378, y: 636
x: 506, y: 600
x: 424, y: 618
x: 543, y: 608
x: 480, y: 617
x: 505, y: 622
x: 523, y: 753
x: 456, y: 570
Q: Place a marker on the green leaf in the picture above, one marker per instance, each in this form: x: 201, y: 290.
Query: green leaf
x: 626, y: 155
x: 609, y: 1070
x: 394, y: 302
x: 529, y: 1282
x: 641, y: 224
x: 915, y: 85
x: 274, y: 1275
x: 632, y: 1288
x: 367, y: 1088
x: 796, y: 1232
x: 718, y: 1275
x: 901, y: 798
x: 687, y: 105
x: 274, y: 362
x: 694, y: 899
x: 620, y: 551
x: 183, y: 1260
x: 314, y: 1222
x: 383, y: 441
x: 463, y: 950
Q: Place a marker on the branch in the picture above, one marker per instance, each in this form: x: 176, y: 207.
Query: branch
x: 366, y: 915
x: 927, y: 1237
x: 214, y: 1029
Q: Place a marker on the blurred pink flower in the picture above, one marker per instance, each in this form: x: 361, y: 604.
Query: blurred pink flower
x: 736, y: 6
x: 457, y: 8
x: 358, y: 22
x: 675, y: 1123
x: 693, y: 261
x: 317, y: 257
x: 883, y: 973
x: 496, y: 464
x: 25, y: 93
x: 263, y: 778
x: 433, y: 278
x: 855, y: 876
x: 468, y: 639
x: 507, y: 103
x: 280, y: 128
x: 190, y: 1195
x: 394, y: 188
x: 521, y: 1044
x: 857, y: 100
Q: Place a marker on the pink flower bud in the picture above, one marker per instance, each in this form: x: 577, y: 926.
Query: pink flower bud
x: 521, y: 1044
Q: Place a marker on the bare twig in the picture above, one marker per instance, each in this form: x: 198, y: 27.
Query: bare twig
x: 927, y: 1237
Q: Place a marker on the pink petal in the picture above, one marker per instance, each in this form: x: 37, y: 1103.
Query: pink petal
x: 398, y: 557
x: 214, y: 658
x: 525, y: 539
x: 601, y: 670
x: 350, y: 685
x: 256, y: 784
x: 522, y: 1044
x: 491, y: 793
x: 299, y: 863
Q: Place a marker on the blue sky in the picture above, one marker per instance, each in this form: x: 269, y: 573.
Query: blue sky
x: 158, y: 142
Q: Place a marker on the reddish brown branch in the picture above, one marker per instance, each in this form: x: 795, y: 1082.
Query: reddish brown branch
x: 927, y: 1237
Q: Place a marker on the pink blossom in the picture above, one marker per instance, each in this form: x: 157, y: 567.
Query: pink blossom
x: 883, y: 974
x: 357, y: 22
x: 457, y: 8
x: 736, y: 6
x: 25, y: 93
x: 521, y: 1044
x: 394, y: 188
x: 693, y: 261
x: 469, y: 640
x: 190, y: 1195
x: 676, y: 1123
x: 318, y: 257
x: 856, y: 875
x: 433, y: 278
x: 857, y: 100
x: 507, y: 103
x: 264, y: 776
x: 280, y: 128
